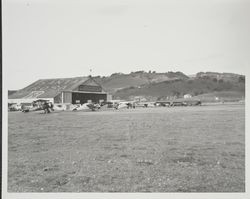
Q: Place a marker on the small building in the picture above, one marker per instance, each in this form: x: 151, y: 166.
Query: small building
x: 187, y: 96
x: 78, y: 90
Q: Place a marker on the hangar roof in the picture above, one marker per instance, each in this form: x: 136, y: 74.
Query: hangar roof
x: 48, y: 88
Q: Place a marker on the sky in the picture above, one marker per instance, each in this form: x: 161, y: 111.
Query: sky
x: 58, y: 38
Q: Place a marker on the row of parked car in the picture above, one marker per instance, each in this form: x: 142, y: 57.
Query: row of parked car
x: 131, y: 104
x: 179, y: 103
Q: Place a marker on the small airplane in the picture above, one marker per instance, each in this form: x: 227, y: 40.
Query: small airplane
x: 163, y: 103
x: 86, y: 106
x: 145, y: 104
x: 38, y: 105
x: 125, y: 104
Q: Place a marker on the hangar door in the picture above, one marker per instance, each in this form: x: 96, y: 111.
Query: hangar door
x: 81, y: 98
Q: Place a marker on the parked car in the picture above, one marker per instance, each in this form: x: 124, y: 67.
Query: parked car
x: 25, y: 107
x: 15, y: 107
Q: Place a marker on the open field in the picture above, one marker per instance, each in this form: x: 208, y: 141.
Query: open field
x: 180, y: 149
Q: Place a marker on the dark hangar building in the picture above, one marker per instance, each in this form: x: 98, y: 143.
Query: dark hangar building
x: 77, y: 90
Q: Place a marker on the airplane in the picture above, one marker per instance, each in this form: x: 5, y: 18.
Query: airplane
x: 125, y: 104
x: 163, y: 103
x: 145, y: 104
x: 38, y: 105
x: 86, y: 106
x: 118, y: 104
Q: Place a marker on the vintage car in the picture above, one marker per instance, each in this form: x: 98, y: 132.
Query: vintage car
x: 15, y: 107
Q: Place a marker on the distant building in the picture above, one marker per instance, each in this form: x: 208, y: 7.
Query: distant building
x: 76, y: 90
x: 186, y: 96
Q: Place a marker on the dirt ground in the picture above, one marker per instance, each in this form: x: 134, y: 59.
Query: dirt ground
x: 180, y: 149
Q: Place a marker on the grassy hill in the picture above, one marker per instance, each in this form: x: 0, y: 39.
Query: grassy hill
x: 178, y: 87
x: 10, y: 92
x: 119, y: 81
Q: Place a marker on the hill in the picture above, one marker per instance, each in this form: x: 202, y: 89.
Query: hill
x: 231, y: 77
x: 119, y: 81
x: 10, y: 92
x: 176, y: 88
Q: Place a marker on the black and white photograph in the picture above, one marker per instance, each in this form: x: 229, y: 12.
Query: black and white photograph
x: 119, y: 97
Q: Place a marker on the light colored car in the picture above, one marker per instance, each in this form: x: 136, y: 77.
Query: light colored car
x: 15, y: 107
x: 26, y: 107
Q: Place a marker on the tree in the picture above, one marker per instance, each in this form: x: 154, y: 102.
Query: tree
x: 241, y: 79
x: 221, y: 81
x: 176, y: 93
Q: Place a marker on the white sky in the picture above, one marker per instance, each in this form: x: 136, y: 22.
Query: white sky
x: 57, y: 38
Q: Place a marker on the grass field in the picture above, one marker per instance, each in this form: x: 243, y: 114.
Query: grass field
x: 180, y: 149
